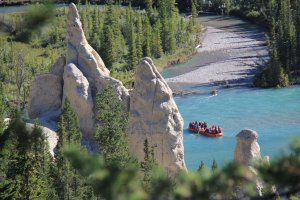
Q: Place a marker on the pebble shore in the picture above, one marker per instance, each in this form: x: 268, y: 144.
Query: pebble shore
x: 245, y: 53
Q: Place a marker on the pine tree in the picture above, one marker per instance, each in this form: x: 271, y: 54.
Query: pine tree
x: 71, y: 124
x: 149, y: 6
x: 132, y: 40
x: 139, y: 37
x: 69, y: 184
x: 147, y: 37
x: 171, y: 38
x: 133, y: 57
x: 201, y: 167
x: 214, y: 167
x: 286, y: 37
x: 2, y: 110
x: 194, y: 12
x: 110, y: 133
x: 110, y: 37
x: 148, y: 165
x: 157, y: 50
x: 25, y: 161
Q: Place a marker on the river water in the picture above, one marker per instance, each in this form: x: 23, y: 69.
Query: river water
x: 273, y: 113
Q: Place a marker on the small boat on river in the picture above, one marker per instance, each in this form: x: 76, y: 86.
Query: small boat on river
x: 205, y: 133
x: 203, y: 129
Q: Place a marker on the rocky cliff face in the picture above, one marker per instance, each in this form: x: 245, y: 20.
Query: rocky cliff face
x: 155, y: 116
x: 82, y: 74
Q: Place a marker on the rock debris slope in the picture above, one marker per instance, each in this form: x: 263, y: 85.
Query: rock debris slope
x: 155, y: 116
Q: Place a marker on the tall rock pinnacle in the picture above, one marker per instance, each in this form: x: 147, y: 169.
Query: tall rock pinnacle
x: 155, y: 116
x: 79, y: 51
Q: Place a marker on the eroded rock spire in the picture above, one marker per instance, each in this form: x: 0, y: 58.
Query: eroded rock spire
x: 154, y: 115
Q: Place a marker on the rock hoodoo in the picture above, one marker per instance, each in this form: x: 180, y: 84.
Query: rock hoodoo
x: 246, y: 148
x: 78, y: 77
x: 155, y: 116
x: 82, y: 74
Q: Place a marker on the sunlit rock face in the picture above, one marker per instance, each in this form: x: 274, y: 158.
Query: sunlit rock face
x: 246, y: 148
x: 155, y: 116
x: 246, y: 152
x: 45, y: 95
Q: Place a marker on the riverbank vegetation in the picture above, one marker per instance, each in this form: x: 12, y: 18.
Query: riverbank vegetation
x: 121, y: 35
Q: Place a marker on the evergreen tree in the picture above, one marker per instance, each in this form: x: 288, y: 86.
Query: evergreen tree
x: 108, y: 47
x: 133, y: 57
x: 2, y: 110
x: 148, y: 165
x: 132, y: 40
x: 71, y: 124
x: 194, y: 12
x: 147, y: 37
x: 110, y: 133
x: 139, y: 37
x: 148, y: 6
x: 171, y: 38
x: 25, y: 161
x: 286, y: 36
x: 214, y: 167
x: 110, y: 37
x: 201, y: 167
x: 157, y: 50
x: 69, y: 184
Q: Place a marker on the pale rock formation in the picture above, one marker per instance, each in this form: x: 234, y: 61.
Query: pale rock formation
x: 246, y: 151
x: 247, y: 148
x: 155, y: 116
x: 79, y: 51
x: 58, y: 68
x: 45, y: 95
x: 78, y: 91
x: 51, y: 136
x: 87, y: 60
x: 79, y: 76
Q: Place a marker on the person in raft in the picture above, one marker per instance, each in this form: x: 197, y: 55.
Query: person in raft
x: 200, y: 126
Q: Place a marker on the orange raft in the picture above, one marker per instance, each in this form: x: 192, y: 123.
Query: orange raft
x: 202, y: 132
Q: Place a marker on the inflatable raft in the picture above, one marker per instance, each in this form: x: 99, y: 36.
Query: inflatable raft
x: 202, y: 132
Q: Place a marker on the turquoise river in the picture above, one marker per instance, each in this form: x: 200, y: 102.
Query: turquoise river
x: 273, y: 113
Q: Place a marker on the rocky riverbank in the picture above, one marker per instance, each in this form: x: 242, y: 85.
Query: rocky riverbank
x: 236, y: 54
